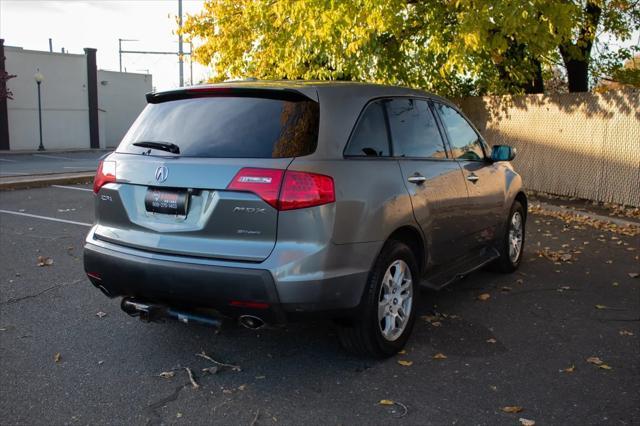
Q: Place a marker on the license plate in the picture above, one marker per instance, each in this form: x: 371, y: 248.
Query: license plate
x: 167, y: 201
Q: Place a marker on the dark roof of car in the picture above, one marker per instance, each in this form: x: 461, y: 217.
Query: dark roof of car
x: 308, y: 87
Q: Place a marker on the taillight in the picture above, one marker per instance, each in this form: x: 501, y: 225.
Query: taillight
x: 285, y: 190
x: 265, y: 183
x: 106, y: 173
x: 302, y: 189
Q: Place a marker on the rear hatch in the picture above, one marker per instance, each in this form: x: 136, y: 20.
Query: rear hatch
x: 178, y: 181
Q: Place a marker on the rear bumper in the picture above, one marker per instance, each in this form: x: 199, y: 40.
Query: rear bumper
x: 333, y: 284
x: 181, y: 284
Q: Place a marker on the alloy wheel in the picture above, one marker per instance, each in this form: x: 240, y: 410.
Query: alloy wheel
x: 395, y: 300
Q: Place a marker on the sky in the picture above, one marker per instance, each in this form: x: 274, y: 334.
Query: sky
x: 76, y: 24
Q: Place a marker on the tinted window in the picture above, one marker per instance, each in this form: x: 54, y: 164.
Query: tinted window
x: 238, y: 127
x: 465, y: 142
x: 414, y: 129
x: 370, y: 135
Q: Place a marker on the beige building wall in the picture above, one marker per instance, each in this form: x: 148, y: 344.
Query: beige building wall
x: 583, y: 145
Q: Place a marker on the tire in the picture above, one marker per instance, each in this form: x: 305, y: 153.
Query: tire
x: 365, y: 335
x: 509, y: 260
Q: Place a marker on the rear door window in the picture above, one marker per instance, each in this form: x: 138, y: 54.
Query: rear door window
x: 414, y: 130
x: 370, y: 138
x: 228, y: 127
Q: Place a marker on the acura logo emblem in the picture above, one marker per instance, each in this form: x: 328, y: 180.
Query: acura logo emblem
x: 162, y: 173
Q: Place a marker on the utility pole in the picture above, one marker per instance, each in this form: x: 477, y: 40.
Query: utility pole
x: 120, y: 51
x: 190, y: 63
x: 180, y: 52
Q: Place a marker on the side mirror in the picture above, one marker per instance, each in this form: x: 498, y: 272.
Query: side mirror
x: 502, y: 153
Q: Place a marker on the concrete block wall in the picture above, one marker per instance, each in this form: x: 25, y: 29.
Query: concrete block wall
x: 65, y: 101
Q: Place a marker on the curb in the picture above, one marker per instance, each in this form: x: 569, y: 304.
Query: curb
x: 54, y: 151
x: 615, y: 220
x: 37, y: 181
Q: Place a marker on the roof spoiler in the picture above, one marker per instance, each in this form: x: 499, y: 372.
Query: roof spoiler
x: 285, y: 94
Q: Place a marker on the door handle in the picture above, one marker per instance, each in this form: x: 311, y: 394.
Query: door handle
x: 417, y: 178
x: 473, y: 178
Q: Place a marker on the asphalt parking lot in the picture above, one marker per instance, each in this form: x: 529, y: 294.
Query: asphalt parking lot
x: 526, y: 345
x: 49, y: 162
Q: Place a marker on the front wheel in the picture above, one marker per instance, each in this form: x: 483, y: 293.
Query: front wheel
x: 512, y: 244
x: 387, y: 312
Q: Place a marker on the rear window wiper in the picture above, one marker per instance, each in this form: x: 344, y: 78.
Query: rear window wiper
x: 164, y: 146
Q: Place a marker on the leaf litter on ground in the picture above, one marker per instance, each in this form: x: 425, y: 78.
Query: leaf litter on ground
x: 44, y: 261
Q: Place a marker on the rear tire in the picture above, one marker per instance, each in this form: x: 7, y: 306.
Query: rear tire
x: 387, y: 312
x: 512, y: 242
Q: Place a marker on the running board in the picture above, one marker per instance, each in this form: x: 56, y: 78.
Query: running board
x: 444, y: 275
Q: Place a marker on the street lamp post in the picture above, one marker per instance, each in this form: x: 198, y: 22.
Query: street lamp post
x: 39, y: 78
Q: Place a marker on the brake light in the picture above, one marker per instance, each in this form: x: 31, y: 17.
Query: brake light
x: 106, y: 173
x: 302, y: 189
x: 285, y: 190
x: 265, y: 183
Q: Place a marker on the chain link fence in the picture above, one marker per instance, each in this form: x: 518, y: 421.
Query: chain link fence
x: 584, y: 145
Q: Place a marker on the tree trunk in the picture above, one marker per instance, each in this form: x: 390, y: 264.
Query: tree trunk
x: 577, y: 74
x: 536, y: 84
x: 576, y: 56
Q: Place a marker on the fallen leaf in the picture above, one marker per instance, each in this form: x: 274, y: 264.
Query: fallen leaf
x: 569, y: 369
x: 260, y: 377
x: 506, y: 288
x: 634, y: 274
x: 615, y: 284
x: 101, y: 314
x: 167, y: 374
x: 45, y: 261
x: 491, y: 340
x: 511, y: 409
x: 605, y: 367
x: 601, y: 307
x: 526, y: 422
x: 178, y: 415
x: 594, y: 360
x: 439, y: 355
x: 242, y: 387
x: 625, y: 333
x: 405, y: 363
x: 57, y: 357
x: 436, y: 323
x: 402, y: 352
x: 430, y: 318
x: 386, y: 402
x: 484, y: 297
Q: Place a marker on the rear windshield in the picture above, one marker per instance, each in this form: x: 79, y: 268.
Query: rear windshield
x: 227, y: 127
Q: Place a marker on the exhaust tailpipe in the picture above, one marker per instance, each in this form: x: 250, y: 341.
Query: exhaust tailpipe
x: 251, y: 322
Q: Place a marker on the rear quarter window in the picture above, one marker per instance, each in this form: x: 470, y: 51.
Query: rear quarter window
x: 228, y: 127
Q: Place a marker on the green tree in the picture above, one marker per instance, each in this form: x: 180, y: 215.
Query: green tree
x: 451, y: 47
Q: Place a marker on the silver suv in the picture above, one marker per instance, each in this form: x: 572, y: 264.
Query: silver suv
x: 269, y: 201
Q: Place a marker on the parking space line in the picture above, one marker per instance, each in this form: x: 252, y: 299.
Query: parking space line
x: 54, y: 157
x: 9, y: 161
x: 53, y: 219
x: 73, y: 187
